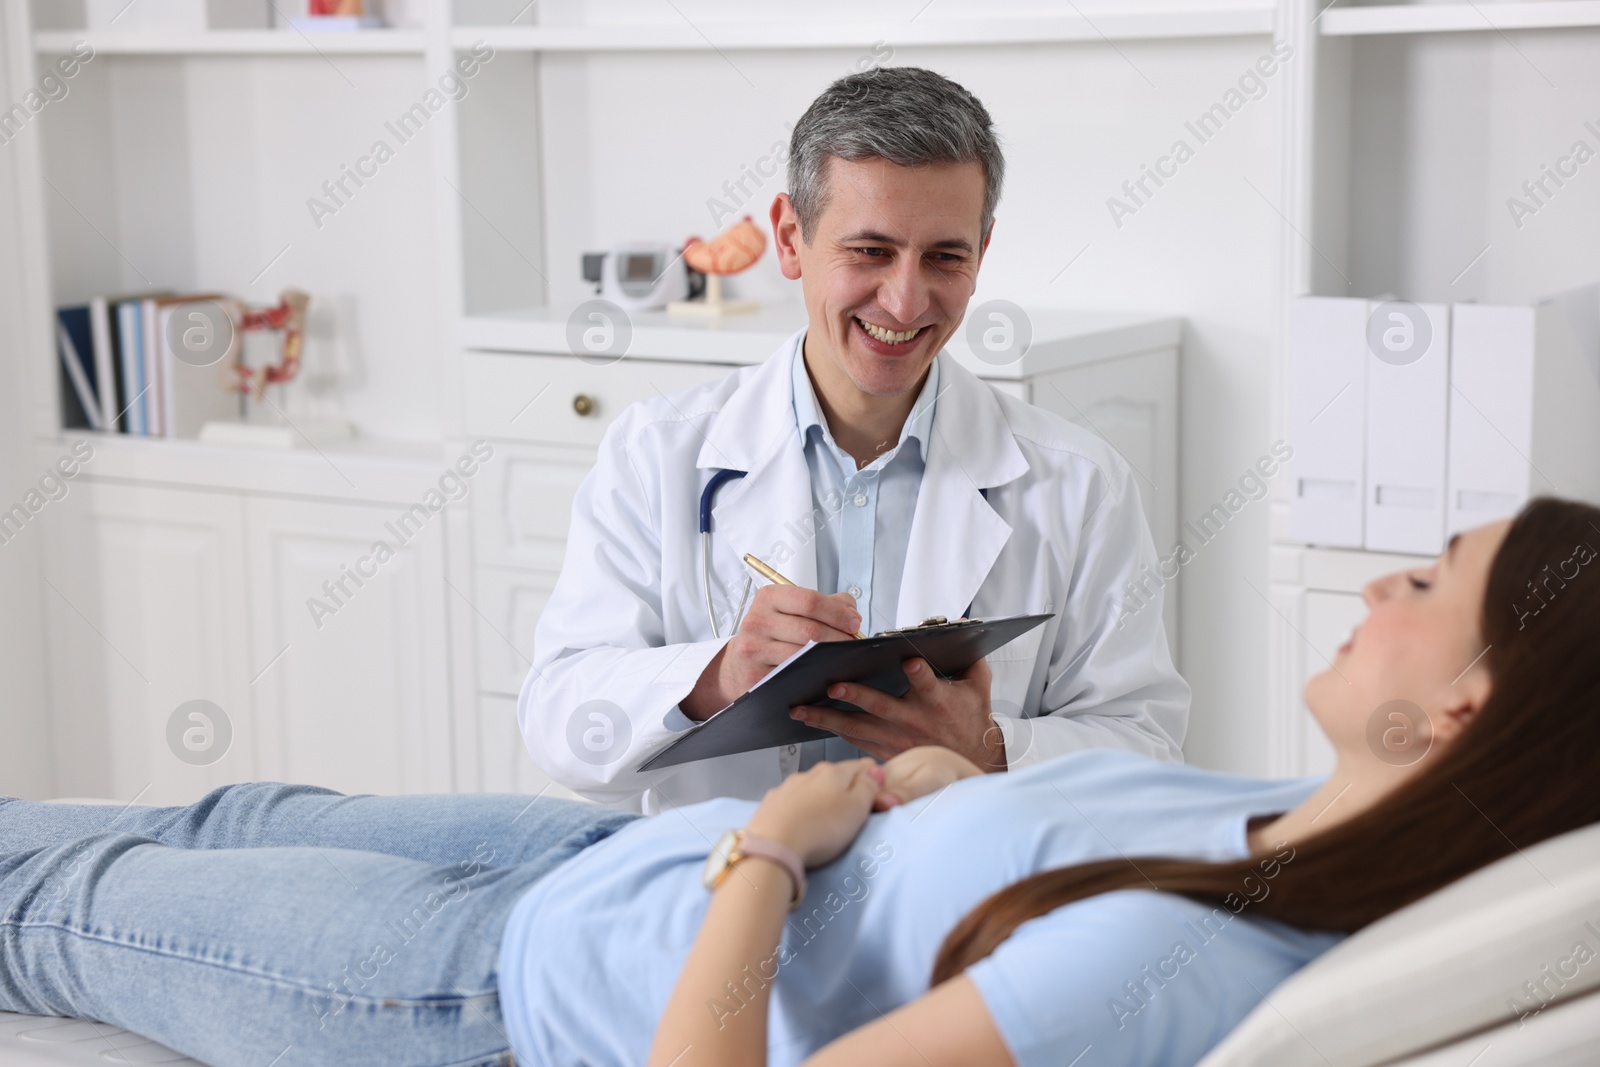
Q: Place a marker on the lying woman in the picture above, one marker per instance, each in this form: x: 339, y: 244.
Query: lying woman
x: 1100, y: 908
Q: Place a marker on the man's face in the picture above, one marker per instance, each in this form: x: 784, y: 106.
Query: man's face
x: 889, y: 268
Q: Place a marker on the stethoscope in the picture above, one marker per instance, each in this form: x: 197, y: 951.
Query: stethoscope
x: 708, y: 497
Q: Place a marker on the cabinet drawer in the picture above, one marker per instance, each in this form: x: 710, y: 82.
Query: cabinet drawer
x: 508, y: 606
x: 562, y: 399
x: 521, y: 509
x: 507, y: 767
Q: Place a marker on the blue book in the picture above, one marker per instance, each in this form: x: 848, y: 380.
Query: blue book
x: 130, y: 352
x: 80, y: 394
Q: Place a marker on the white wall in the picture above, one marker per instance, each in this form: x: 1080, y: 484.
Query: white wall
x: 24, y: 723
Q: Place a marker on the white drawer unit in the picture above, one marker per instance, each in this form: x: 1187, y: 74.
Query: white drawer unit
x: 509, y: 603
x: 561, y: 399
x: 521, y: 511
x: 1315, y: 597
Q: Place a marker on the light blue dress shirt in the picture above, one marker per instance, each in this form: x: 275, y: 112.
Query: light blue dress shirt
x: 861, y: 543
x: 1127, y: 979
x: 861, y: 548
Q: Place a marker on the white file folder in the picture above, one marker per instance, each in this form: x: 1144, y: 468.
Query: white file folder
x: 1524, y: 405
x: 1408, y: 387
x: 1327, y: 420
x: 1491, y: 425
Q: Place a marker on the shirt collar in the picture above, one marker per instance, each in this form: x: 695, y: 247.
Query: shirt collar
x: 808, y: 412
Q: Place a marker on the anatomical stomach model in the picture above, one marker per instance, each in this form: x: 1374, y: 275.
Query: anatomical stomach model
x: 735, y: 249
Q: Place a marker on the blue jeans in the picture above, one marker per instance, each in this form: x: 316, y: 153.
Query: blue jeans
x: 280, y: 925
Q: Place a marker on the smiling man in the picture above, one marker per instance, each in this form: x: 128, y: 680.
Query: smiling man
x: 881, y: 477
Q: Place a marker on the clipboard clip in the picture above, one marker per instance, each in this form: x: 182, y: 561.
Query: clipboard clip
x: 932, y: 622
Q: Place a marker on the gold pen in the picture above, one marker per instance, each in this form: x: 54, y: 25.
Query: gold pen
x: 773, y: 576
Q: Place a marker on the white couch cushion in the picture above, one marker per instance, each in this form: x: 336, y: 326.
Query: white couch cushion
x: 37, y: 1041
x: 1566, y: 1035
x: 1464, y: 959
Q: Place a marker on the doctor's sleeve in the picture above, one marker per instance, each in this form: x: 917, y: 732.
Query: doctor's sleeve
x: 1111, y: 682
x: 602, y: 690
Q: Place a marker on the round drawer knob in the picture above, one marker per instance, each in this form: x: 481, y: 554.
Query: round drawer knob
x: 583, y: 404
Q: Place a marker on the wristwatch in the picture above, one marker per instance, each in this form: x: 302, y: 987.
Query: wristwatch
x: 736, y: 845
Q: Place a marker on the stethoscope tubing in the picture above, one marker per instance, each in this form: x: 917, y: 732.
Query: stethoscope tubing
x: 708, y: 497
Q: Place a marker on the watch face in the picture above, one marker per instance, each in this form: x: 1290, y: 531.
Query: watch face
x: 717, y: 862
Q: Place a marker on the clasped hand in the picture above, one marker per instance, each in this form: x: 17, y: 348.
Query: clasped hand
x: 954, y: 713
x: 818, y: 812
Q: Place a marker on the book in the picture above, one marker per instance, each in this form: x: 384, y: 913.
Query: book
x: 111, y: 337
x: 104, y: 362
x: 150, y: 344
x: 191, y: 395
x: 128, y: 340
x: 80, y: 393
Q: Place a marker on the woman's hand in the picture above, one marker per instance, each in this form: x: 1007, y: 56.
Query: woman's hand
x: 820, y: 811
x: 916, y: 772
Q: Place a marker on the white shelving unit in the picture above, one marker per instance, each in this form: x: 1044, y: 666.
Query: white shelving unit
x: 1408, y: 129
x: 1373, y: 161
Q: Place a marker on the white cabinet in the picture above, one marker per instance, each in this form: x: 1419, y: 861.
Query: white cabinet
x: 1316, y: 601
x: 325, y: 665
x: 145, y: 607
x: 351, y: 692
x: 520, y: 516
x: 506, y: 765
x: 509, y: 603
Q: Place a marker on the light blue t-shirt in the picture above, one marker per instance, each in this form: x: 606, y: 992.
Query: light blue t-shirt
x: 590, y: 954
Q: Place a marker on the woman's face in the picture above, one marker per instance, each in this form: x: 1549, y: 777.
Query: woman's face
x: 1412, y: 674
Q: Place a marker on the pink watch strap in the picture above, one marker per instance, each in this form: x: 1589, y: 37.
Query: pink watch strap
x: 782, y: 855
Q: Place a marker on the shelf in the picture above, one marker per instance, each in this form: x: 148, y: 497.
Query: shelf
x: 363, y: 470
x: 233, y: 42
x: 737, y: 339
x: 1459, y: 18
x: 1061, y: 338
x: 1242, y: 18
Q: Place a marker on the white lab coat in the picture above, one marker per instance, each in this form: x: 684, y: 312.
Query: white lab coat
x: 626, y: 632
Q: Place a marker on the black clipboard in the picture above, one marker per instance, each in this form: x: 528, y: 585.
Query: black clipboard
x: 760, y: 718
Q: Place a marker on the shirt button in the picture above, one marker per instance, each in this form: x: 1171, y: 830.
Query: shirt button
x: 855, y: 592
x: 793, y: 749
x: 861, y: 500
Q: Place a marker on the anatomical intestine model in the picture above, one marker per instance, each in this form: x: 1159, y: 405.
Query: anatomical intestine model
x: 289, y: 316
x: 735, y: 249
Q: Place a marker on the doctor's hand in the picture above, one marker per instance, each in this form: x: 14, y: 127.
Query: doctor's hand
x: 781, y: 619
x: 953, y: 713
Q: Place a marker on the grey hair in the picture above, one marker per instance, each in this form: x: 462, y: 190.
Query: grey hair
x: 907, y: 115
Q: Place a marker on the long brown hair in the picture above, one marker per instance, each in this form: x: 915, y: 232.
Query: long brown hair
x: 1522, y: 771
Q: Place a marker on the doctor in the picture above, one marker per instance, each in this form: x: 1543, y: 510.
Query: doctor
x: 881, y: 477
